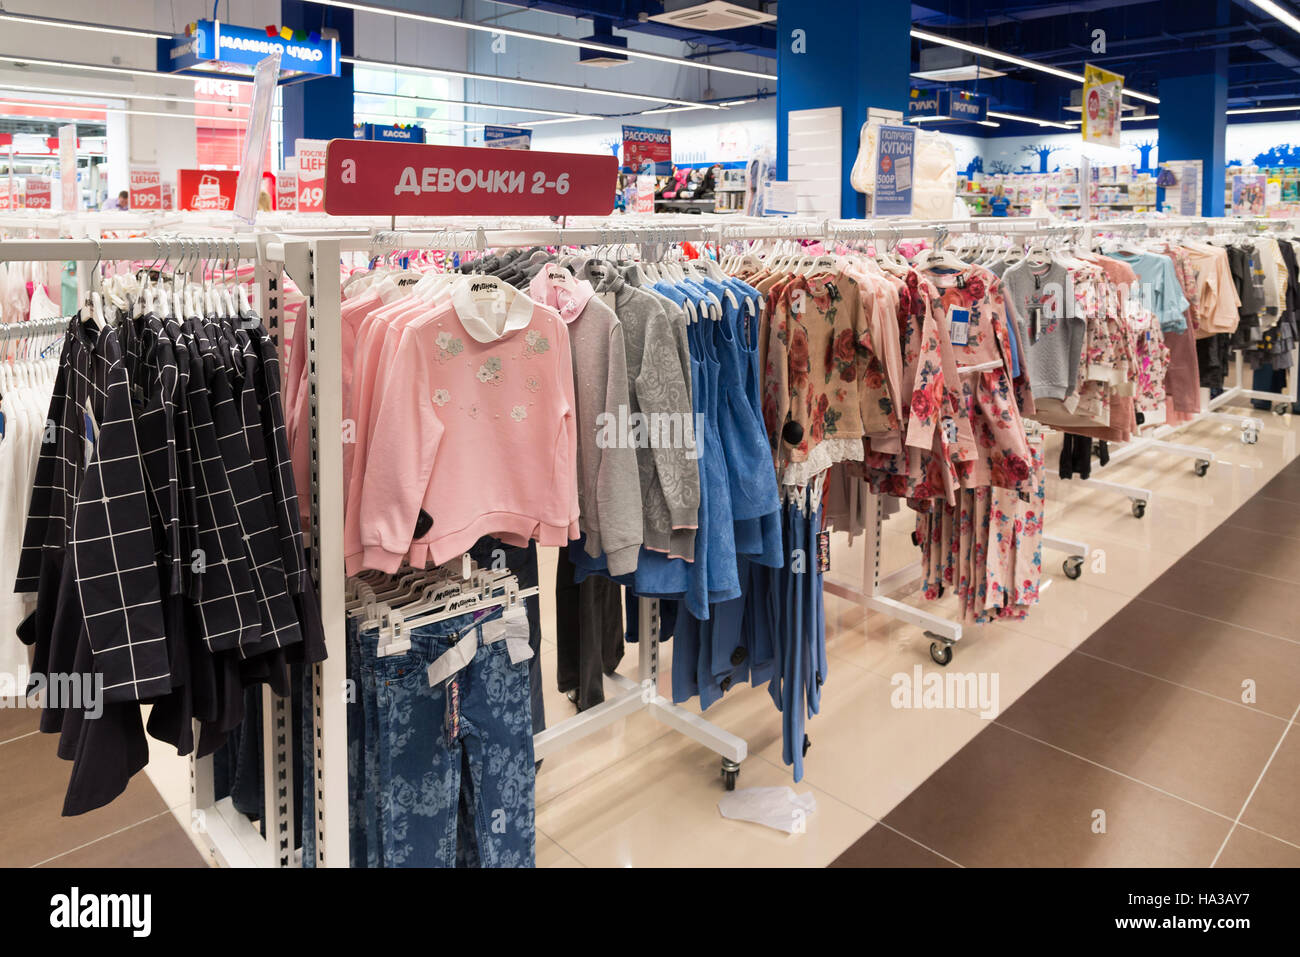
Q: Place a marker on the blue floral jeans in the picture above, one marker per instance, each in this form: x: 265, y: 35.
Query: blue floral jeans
x: 455, y: 768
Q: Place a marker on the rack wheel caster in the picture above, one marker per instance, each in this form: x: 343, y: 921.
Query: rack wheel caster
x: 730, y: 771
x: 1281, y: 408
x: 1202, y: 466
x: 1249, y: 436
x: 1073, y: 566
x: 572, y: 695
x: 1139, y: 507
x: 940, y: 649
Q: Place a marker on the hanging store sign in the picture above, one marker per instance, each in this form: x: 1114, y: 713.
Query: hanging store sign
x: 311, y: 174
x: 211, y: 46
x: 1101, y: 105
x: 39, y: 194
x: 286, y: 192
x: 948, y: 104
x: 643, y: 147
x: 146, y: 187
x: 507, y: 138
x: 392, y: 134
x: 208, y: 189
x: 368, y: 178
x: 895, y: 149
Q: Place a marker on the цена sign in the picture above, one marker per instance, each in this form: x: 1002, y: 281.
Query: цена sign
x: 146, y: 187
x: 368, y: 178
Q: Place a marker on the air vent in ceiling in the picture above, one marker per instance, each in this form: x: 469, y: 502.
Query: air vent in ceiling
x: 715, y: 15
x: 946, y: 65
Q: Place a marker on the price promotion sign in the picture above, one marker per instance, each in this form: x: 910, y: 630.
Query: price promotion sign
x: 311, y: 175
x: 146, y: 187
x: 370, y: 178
x: 39, y: 192
x: 286, y: 192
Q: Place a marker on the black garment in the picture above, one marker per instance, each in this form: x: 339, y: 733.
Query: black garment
x: 1076, y: 456
x: 588, y: 632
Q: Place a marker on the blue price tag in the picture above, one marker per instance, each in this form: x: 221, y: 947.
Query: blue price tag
x: 958, y: 325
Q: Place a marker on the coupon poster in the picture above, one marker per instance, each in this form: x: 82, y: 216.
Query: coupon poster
x: 895, y: 149
x: 1101, y: 105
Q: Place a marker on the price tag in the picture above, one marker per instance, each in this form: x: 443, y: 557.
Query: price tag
x: 958, y: 326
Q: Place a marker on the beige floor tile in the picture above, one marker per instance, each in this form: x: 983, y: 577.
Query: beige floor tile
x: 660, y: 810
x: 1251, y: 848
x: 550, y: 854
x: 869, y: 753
x: 1272, y: 808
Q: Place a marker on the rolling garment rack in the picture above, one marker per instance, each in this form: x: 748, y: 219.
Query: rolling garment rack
x: 228, y: 837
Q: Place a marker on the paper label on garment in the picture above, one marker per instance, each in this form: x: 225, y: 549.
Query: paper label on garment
x: 958, y: 326
x: 823, y: 552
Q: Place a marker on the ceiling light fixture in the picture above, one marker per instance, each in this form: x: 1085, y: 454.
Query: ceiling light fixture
x: 74, y: 25
x: 94, y: 107
x: 516, y: 81
x: 1028, y: 119
x: 1264, y: 109
x: 1286, y: 16
x: 11, y: 88
x: 588, y: 44
x: 1018, y: 61
x: 472, y: 104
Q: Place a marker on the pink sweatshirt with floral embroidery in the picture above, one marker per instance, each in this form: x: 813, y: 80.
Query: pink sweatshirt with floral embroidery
x: 475, y: 434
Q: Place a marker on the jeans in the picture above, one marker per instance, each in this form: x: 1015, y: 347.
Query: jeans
x: 456, y: 774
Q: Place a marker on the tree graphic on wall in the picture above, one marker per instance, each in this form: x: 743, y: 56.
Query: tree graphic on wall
x: 999, y: 166
x: 1043, y: 151
x: 1145, y: 149
x: 613, y: 145
x: 1284, y: 154
x: 976, y: 165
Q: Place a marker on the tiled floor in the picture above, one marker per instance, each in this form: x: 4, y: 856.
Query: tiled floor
x: 1122, y: 735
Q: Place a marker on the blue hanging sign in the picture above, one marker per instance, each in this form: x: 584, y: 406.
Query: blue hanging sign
x: 960, y: 105
x: 507, y: 138
x: 215, y: 47
x: 923, y: 103
x: 393, y: 134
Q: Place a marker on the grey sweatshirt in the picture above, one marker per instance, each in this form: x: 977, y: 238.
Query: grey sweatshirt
x: 670, y: 476
x: 609, y: 484
x: 1041, y: 301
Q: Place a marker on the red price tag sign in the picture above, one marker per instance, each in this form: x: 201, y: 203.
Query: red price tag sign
x: 286, y: 192
x: 373, y: 178
x: 39, y: 191
x: 146, y: 188
x: 311, y: 175
x: 208, y: 189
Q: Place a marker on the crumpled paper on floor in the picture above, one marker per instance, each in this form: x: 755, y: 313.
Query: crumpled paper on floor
x: 779, y: 808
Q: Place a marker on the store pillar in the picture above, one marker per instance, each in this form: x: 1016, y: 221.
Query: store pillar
x: 1193, y: 92
x: 319, y: 109
x: 850, y: 55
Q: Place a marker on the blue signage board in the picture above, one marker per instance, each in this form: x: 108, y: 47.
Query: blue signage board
x: 960, y: 105
x: 215, y: 47
x: 393, y: 134
x: 923, y: 103
x: 895, y: 152
x: 507, y: 138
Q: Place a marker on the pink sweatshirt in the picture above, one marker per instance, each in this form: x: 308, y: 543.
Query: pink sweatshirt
x: 475, y: 433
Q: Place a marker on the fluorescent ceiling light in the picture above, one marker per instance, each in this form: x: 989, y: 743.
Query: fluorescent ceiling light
x: 68, y: 65
x: 1019, y: 61
x: 671, y: 109
x: 471, y: 104
x: 987, y: 123
x: 1286, y: 16
x: 115, y: 109
x: 74, y: 25
x: 543, y: 38
x: 10, y: 88
x: 516, y: 81
x: 430, y: 119
x: 1028, y: 119
x: 1264, y: 109
x: 532, y: 123
x: 752, y: 99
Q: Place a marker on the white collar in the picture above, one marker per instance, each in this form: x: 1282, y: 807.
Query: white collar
x: 519, y: 312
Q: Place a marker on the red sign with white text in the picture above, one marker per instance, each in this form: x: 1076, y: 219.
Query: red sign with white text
x: 39, y: 191
x: 146, y: 187
x: 311, y: 175
x: 208, y: 189
x: 5, y: 201
x: 375, y: 178
x: 286, y: 192
x: 167, y: 196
